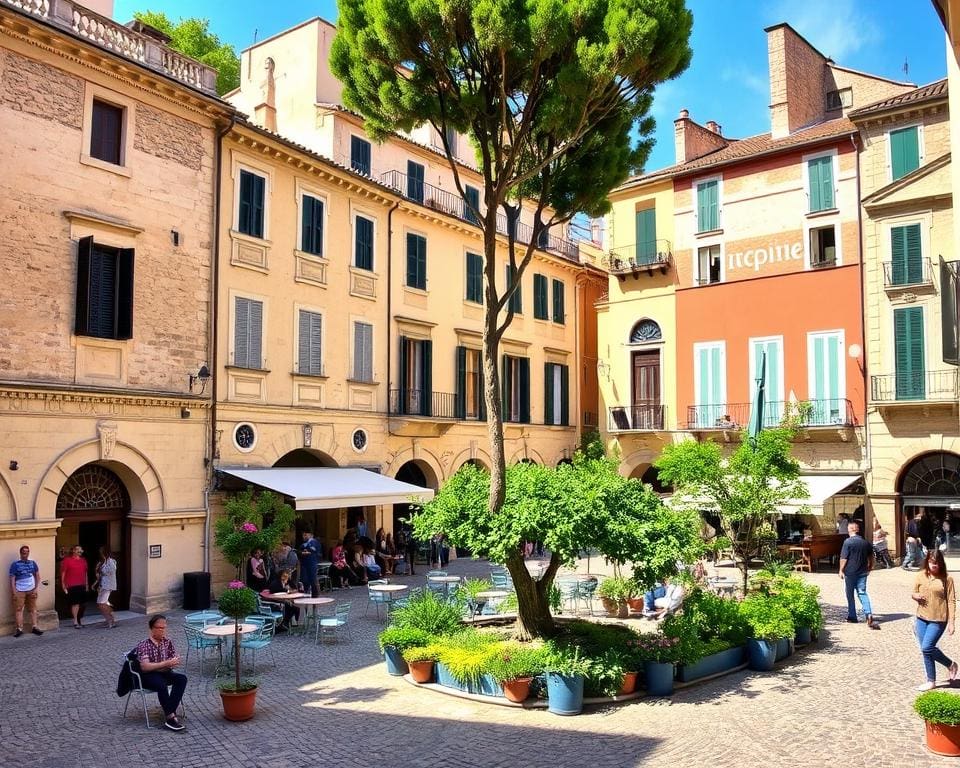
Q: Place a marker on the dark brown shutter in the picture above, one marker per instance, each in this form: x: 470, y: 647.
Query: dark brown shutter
x: 84, y: 251
x: 125, y: 293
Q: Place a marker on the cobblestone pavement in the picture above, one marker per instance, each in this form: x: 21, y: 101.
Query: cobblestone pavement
x: 846, y: 700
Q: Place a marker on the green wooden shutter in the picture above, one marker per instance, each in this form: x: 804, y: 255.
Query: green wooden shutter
x: 773, y: 405
x: 898, y: 251
x: 257, y: 204
x: 472, y: 197
x: 505, y: 389
x: 475, y: 278
x: 909, y: 353
x: 426, y: 391
x: 363, y: 245
x: 701, y: 396
x: 482, y: 408
x: 460, y: 398
x: 820, y: 173
x: 708, y: 206
x: 311, y: 225
x: 516, y: 300
x: 524, y: 390
x: 416, y: 261
x: 84, y: 256
x: 548, y: 394
x: 559, y: 310
x: 539, y: 296
x: 565, y: 395
x: 402, y: 379
x: 415, y: 181
x: 646, y: 247
x: 904, y: 151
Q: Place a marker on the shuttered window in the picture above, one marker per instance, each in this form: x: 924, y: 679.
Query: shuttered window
x: 904, y: 151
x: 248, y: 333
x: 475, y: 278
x: 540, y: 311
x: 559, y: 308
x: 516, y: 300
x: 106, y: 132
x: 646, y: 247
x: 416, y: 377
x: 310, y: 361
x: 472, y: 196
x: 710, y: 384
x: 104, y: 299
x: 360, y: 155
x: 827, y: 396
x: 415, y: 181
x: 363, y: 243
x: 362, y: 351
x: 908, y: 337
x: 311, y: 225
x: 556, y: 394
x: 416, y: 261
x: 820, y: 177
x: 469, y: 397
x: 906, y: 266
x: 250, y: 213
x: 708, y: 205
x: 773, y: 382
x: 515, y: 386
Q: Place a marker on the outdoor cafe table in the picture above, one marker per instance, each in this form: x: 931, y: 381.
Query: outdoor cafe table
x: 447, y: 581
x: 387, y: 587
x: 286, y: 595
x: 312, y: 603
x: 482, y: 598
x: 226, y: 631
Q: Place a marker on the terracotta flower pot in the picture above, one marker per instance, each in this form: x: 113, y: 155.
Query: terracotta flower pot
x: 943, y: 739
x: 421, y: 671
x: 610, y: 606
x: 635, y: 604
x: 629, y: 684
x: 517, y: 690
x: 238, y: 706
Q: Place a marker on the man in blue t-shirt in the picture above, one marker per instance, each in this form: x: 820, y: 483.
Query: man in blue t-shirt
x: 24, y: 580
x: 856, y: 562
x: 309, y: 557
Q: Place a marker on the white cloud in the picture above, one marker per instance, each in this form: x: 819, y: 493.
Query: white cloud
x: 836, y: 28
x: 741, y: 75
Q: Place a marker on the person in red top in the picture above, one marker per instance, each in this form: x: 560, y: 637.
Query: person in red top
x: 157, y: 658
x: 75, y: 580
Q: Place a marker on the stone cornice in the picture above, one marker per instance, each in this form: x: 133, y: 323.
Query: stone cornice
x: 160, y: 400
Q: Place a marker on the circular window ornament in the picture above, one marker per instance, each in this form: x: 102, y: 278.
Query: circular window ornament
x: 244, y: 437
x: 359, y: 440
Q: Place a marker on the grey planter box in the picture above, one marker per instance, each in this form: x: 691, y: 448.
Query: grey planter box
x: 713, y: 664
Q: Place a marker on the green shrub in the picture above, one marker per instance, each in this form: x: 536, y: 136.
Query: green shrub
x: 509, y: 604
x: 430, y: 613
x: 604, y: 673
x: 512, y: 661
x: 472, y: 587
x: 617, y: 588
x: 800, y: 599
x: 686, y: 647
x: 467, y: 654
x: 237, y: 601
x: 716, y: 617
x: 402, y: 638
x: 422, y: 653
x: 563, y: 660
x: 938, y: 707
x: 767, y: 618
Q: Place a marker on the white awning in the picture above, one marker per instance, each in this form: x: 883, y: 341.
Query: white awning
x: 819, y: 489
x: 333, y: 487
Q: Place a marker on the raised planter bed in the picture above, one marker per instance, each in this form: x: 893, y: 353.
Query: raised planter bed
x: 714, y: 664
x: 486, y: 686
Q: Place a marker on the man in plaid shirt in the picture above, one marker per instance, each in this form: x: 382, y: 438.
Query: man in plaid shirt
x: 157, y: 658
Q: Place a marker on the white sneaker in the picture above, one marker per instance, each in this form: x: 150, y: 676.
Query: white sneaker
x: 927, y: 686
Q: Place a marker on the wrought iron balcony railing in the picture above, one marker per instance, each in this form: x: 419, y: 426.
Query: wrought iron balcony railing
x: 650, y: 254
x: 919, y: 386
x: 901, y: 274
x: 636, y: 418
x: 421, y: 402
x: 836, y: 412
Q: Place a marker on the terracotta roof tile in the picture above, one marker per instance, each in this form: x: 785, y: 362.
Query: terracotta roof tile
x: 931, y: 92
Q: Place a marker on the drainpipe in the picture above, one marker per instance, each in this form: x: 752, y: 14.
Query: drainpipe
x: 214, y: 309
x: 389, y: 300
x: 863, y: 313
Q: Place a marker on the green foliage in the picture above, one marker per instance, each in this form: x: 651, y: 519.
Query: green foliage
x: 716, y: 618
x: 938, y: 707
x: 793, y: 593
x: 617, y: 588
x: 512, y: 661
x: 237, y: 602
x: 251, y: 521
x: 657, y: 647
x: 684, y: 645
x: 605, y: 651
x: 416, y: 653
x: 564, y: 660
x: 472, y: 587
x: 510, y: 603
x: 402, y: 638
x: 428, y: 613
x: 467, y: 654
x: 193, y: 38
x: 767, y: 618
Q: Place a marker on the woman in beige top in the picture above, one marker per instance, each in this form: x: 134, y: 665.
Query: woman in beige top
x: 936, y: 607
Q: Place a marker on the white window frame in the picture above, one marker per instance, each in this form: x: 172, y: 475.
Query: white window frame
x: 297, y: 308
x: 367, y: 214
x: 244, y: 163
x: 354, y: 319
x: 835, y: 172
x: 696, y: 204
x: 233, y: 295
x: 918, y: 124
x: 822, y: 223
x: 314, y: 192
x: 698, y: 246
x: 842, y: 367
x: 752, y: 363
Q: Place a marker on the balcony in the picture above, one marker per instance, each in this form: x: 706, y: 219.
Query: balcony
x: 919, y: 274
x: 921, y: 388
x: 636, y: 418
x: 837, y: 412
x: 124, y: 41
x: 419, y: 402
x: 645, y: 258
x: 452, y: 204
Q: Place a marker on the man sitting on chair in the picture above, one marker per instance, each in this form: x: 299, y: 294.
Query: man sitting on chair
x: 663, y: 599
x: 157, y: 658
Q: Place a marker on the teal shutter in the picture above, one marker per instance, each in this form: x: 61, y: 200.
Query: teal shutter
x: 426, y: 392
x: 708, y: 206
x: 564, y: 395
x: 524, y: 390
x: 505, y: 389
x: 826, y: 397
x: 475, y: 278
x: 539, y: 297
x: 415, y: 181
x: 402, y: 379
x: 250, y: 215
x: 906, y: 255
x: 363, y: 245
x: 460, y: 399
x: 909, y: 353
x: 416, y: 262
x: 773, y: 405
x: 904, y: 151
x: 548, y: 394
x: 715, y: 367
x: 820, y: 172
x: 559, y: 311
x: 472, y: 196
x: 646, y: 247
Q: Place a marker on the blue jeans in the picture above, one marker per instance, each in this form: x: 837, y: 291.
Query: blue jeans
x: 170, y: 700
x: 858, y: 583
x: 928, y: 635
x: 912, y: 557
x: 652, y: 594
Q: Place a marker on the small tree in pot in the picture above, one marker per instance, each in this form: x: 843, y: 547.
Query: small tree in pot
x: 239, y: 696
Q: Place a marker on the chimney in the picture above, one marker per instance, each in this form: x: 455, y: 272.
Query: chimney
x: 714, y: 127
x: 797, y: 76
x: 692, y: 140
x: 265, y: 111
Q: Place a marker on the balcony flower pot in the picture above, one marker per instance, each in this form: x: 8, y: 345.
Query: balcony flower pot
x: 238, y: 705
x: 659, y: 677
x: 396, y: 666
x: 629, y: 684
x: 803, y: 636
x: 762, y: 654
x: 421, y: 671
x: 564, y: 693
x: 517, y: 690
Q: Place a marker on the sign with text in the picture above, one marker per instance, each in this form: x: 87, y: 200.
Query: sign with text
x: 758, y: 258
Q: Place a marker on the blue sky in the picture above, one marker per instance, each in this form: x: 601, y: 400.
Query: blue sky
x: 727, y: 80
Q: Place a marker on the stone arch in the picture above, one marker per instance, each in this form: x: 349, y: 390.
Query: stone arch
x: 425, y: 458
x: 647, y: 474
x: 931, y: 473
x: 477, y: 455
x: 135, y: 471
x: 306, y: 457
x: 887, y: 472
x: 526, y: 454
x: 644, y: 331
x: 8, y: 502
x: 637, y: 460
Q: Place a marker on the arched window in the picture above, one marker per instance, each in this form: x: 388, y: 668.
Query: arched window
x: 934, y: 474
x: 92, y: 487
x: 644, y: 331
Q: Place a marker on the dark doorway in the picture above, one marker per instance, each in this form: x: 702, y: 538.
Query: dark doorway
x: 646, y: 411
x: 408, y: 473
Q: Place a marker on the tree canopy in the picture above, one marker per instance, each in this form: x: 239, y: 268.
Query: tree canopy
x: 251, y: 521
x: 570, y: 508
x: 193, y: 38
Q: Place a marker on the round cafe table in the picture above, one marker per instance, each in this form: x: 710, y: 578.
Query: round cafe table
x: 482, y: 598
x: 387, y: 587
x: 286, y: 595
x: 225, y: 632
x: 448, y: 582
x: 311, y: 603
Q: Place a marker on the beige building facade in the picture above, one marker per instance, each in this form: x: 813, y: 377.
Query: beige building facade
x: 109, y: 156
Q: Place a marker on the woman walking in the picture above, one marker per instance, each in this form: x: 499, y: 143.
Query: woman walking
x: 934, y: 594
x: 880, y: 550
x: 75, y: 583
x: 105, y: 584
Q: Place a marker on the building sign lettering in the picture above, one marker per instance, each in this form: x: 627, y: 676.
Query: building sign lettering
x: 757, y: 258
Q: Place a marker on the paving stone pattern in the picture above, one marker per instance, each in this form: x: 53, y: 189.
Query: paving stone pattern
x: 846, y: 701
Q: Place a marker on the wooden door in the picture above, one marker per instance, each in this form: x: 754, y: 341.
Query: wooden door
x: 645, y: 392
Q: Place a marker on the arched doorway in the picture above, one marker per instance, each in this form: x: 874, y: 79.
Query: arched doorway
x: 930, y: 484
x: 301, y: 457
x: 649, y: 475
x: 93, y: 506
x: 416, y: 473
x: 324, y: 524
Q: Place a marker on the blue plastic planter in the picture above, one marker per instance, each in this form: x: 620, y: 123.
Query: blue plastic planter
x: 395, y: 664
x: 713, y: 664
x: 489, y: 686
x: 762, y: 654
x: 783, y: 648
x: 564, y: 693
x: 445, y: 678
x: 659, y: 678
x: 804, y: 636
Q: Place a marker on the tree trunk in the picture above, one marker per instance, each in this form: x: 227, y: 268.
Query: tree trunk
x: 533, y: 598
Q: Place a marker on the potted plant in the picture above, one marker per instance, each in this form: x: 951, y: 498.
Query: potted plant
x: 613, y: 593
x: 394, y: 641
x: 242, y: 530
x: 769, y: 621
x: 660, y: 653
x: 421, y: 659
x: 941, y: 712
x: 514, y: 668
x: 801, y: 600
x: 565, y: 671
x: 239, y: 696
